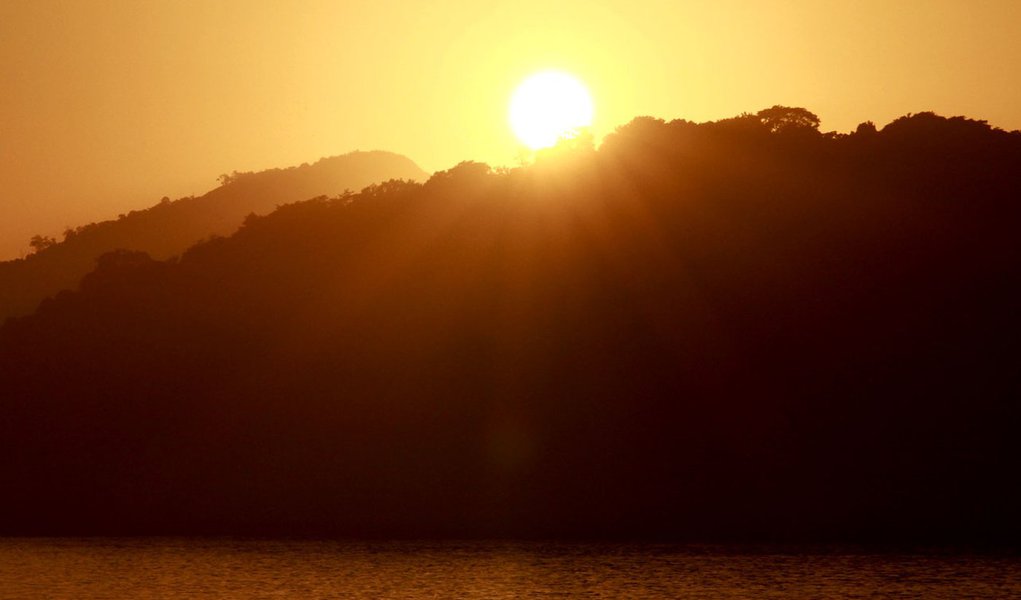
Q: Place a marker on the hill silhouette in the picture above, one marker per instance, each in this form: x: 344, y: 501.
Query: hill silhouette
x: 742, y: 329
x: 170, y: 227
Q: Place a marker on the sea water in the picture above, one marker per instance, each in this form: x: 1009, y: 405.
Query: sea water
x: 169, y: 568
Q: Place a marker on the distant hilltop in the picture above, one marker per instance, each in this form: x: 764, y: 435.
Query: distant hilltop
x: 170, y: 227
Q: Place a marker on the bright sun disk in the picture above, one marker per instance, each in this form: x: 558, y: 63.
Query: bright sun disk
x: 549, y: 106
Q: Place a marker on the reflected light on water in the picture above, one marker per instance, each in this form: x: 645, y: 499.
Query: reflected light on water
x: 185, y: 568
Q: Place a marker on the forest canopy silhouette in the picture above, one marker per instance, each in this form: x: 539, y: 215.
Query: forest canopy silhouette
x: 741, y: 329
x: 169, y: 227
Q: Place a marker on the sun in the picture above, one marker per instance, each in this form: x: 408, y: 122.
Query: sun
x: 549, y: 106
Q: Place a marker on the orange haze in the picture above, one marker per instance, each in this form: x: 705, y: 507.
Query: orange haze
x: 106, y: 107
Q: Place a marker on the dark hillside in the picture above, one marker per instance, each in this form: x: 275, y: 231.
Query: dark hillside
x: 741, y: 329
x: 170, y: 227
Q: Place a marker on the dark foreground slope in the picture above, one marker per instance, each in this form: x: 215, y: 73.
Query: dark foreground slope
x: 697, y: 332
x: 170, y: 227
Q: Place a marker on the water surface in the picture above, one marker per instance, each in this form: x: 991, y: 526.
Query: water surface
x: 91, y: 569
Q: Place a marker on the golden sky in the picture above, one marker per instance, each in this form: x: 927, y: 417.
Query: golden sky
x: 107, y: 106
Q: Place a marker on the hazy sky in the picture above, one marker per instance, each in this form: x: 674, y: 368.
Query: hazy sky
x: 105, y: 106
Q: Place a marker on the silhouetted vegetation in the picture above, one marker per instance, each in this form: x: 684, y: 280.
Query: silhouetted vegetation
x: 737, y: 329
x: 170, y: 227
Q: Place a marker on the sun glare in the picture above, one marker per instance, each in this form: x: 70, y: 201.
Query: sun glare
x: 549, y: 106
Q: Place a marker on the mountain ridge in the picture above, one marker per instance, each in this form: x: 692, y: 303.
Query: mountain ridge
x: 737, y: 330
x: 170, y: 227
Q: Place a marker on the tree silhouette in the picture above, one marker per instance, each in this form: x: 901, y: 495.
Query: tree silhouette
x: 867, y: 128
x: 783, y: 119
x: 577, y: 145
x: 38, y: 243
